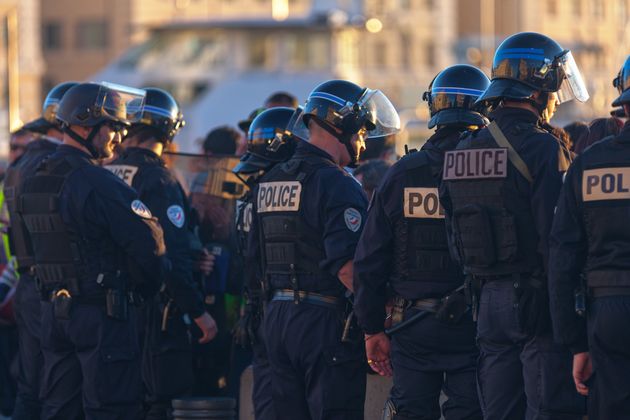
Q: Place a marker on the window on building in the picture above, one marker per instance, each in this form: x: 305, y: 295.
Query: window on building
x: 257, y: 54
x: 405, y: 51
x: 92, y: 34
x: 623, y: 10
x: 52, y: 36
x: 430, y: 54
x: 552, y: 7
x: 404, y: 4
x: 577, y: 7
x: 308, y: 52
x: 379, y: 58
x: 598, y: 8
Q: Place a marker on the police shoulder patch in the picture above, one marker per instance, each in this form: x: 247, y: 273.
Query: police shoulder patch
x: 352, y: 217
x: 141, y: 209
x: 176, y: 215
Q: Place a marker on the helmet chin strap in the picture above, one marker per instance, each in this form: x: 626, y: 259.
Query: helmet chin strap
x: 87, y: 142
x: 343, y: 138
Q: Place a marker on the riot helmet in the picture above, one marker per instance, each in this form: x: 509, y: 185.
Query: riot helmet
x: 95, y: 104
x: 452, y: 95
x: 529, y: 62
x: 161, y: 113
x: 622, y: 83
x: 342, y: 105
x: 48, y: 119
x: 268, y: 141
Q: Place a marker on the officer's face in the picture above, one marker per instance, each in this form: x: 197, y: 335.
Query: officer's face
x: 552, y: 104
x: 107, y: 139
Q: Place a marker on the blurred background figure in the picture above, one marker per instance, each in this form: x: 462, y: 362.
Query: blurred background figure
x: 370, y: 174
x: 221, y: 141
x: 281, y: 99
x: 383, y: 148
x: 577, y: 132
x: 598, y: 129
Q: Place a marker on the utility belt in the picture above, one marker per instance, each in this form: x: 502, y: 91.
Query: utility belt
x: 115, y: 298
x: 448, y: 309
x: 302, y: 296
x: 519, y: 281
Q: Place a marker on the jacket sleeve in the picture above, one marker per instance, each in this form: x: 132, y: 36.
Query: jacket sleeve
x: 166, y: 202
x: 116, y: 208
x: 372, y: 266
x: 568, y: 251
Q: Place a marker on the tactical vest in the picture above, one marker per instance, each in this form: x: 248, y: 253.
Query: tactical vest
x: 57, y: 249
x: 291, y: 249
x: 19, y: 238
x: 492, y: 224
x: 422, y: 264
x: 606, y: 208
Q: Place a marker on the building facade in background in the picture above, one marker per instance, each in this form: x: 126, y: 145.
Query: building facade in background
x: 596, y: 31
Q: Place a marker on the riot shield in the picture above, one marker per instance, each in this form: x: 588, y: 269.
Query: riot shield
x: 213, y: 191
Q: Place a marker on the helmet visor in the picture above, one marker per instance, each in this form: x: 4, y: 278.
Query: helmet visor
x: 381, y: 113
x: 573, y: 86
x: 296, y: 125
x: 120, y: 103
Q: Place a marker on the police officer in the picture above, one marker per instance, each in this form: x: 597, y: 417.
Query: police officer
x: 167, y: 358
x: 97, y: 248
x: 587, y: 241
x: 308, y: 215
x: 268, y: 143
x: 404, y: 243
x: 499, y: 191
x: 27, y: 299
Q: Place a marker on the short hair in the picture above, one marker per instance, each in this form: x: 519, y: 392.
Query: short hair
x: 599, y: 129
x: 577, y: 131
x: 282, y: 99
x: 372, y: 172
x: 221, y: 141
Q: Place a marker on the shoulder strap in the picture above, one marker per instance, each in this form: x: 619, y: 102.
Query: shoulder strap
x: 514, y: 157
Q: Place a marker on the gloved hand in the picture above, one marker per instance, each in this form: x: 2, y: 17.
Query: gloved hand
x: 244, y: 332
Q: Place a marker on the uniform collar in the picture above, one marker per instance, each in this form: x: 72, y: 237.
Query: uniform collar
x: 444, y: 139
x: 71, y: 150
x: 514, y: 115
x: 145, y: 153
x: 306, y: 149
x: 624, y: 134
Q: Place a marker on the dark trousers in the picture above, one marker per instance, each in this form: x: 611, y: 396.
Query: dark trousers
x: 429, y: 357
x: 313, y: 374
x: 609, y: 346
x: 31, y: 360
x: 521, y: 376
x: 90, y: 358
x: 166, y: 360
x: 262, y: 393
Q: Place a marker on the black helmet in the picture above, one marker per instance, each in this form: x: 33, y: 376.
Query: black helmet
x: 94, y: 104
x: 452, y: 95
x: 244, y: 124
x: 528, y: 62
x: 349, y: 108
x: 91, y: 104
x: 161, y: 112
x: 268, y: 141
x: 48, y: 118
x: 622, y: 83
